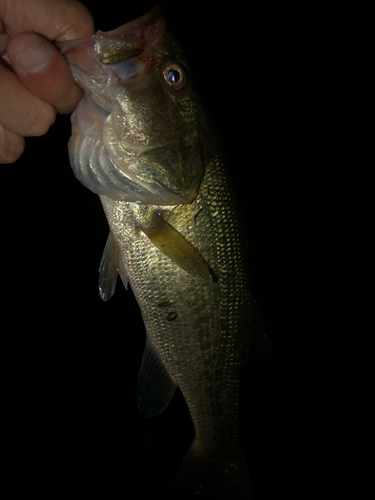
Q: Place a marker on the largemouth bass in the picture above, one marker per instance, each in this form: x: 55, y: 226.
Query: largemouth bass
x: 143, y: 141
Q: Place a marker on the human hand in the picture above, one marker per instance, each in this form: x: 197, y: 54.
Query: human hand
x: 35, y: 80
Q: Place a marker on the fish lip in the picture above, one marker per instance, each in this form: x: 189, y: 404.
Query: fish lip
x: 87, y: 60
x: 130, y: 39
x: 151, y: 16
x: 76, y: 51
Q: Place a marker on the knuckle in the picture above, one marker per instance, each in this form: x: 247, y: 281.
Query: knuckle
x: 38, y: 120
x: 11, y: 146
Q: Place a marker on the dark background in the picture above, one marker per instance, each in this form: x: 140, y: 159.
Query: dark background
x: 72, y: 359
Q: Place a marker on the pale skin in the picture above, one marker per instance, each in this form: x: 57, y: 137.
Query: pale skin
x: 35, y: 80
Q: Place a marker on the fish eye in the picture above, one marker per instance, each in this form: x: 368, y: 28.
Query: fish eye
x: 175, y: 76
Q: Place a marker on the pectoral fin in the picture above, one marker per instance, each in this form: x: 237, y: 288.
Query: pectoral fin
x: 155, y: 387
x: 172, y: 244
x: 110, y: 266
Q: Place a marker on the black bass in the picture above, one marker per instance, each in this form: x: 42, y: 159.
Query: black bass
x: 143, y: 141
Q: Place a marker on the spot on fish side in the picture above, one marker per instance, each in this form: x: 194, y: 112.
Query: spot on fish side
x: 166, y: 303
x: 172, y: 315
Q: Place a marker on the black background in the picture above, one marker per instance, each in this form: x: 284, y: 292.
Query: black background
x: 72, y: 357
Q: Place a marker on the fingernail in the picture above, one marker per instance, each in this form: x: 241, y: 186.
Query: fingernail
x: 33, y: 60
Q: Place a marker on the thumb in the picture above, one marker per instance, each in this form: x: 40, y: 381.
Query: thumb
x: 44, y: 71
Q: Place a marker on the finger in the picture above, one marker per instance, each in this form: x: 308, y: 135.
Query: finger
x: 57, y: 20
x: 44, y: 71
x: 4, y: 39
x: 12, y: 145
x: 20, y: 110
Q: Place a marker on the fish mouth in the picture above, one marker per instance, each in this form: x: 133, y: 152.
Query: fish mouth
x: 106, y: 58
x: 131, y: 39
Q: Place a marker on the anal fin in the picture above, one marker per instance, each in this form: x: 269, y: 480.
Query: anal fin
x: 155, y: 387
x: 110, y: 266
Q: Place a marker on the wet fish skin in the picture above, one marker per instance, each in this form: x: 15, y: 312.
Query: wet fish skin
x: 176, y: 232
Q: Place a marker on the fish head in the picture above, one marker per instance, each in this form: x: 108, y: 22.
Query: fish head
x: 141, y: 115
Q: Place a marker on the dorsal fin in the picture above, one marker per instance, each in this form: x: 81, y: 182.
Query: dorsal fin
x: 155, y: 387
x: 173, y: 244
x: 110, y: 266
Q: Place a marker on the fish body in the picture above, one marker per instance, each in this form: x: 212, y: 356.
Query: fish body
x: 143, y: 141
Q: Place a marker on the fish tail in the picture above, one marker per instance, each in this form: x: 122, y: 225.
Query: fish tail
x: 202, y: 476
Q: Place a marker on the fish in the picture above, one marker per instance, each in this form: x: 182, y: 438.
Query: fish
x: 142, y: 139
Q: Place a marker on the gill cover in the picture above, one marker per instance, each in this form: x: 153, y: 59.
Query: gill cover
x: 135, y: 134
